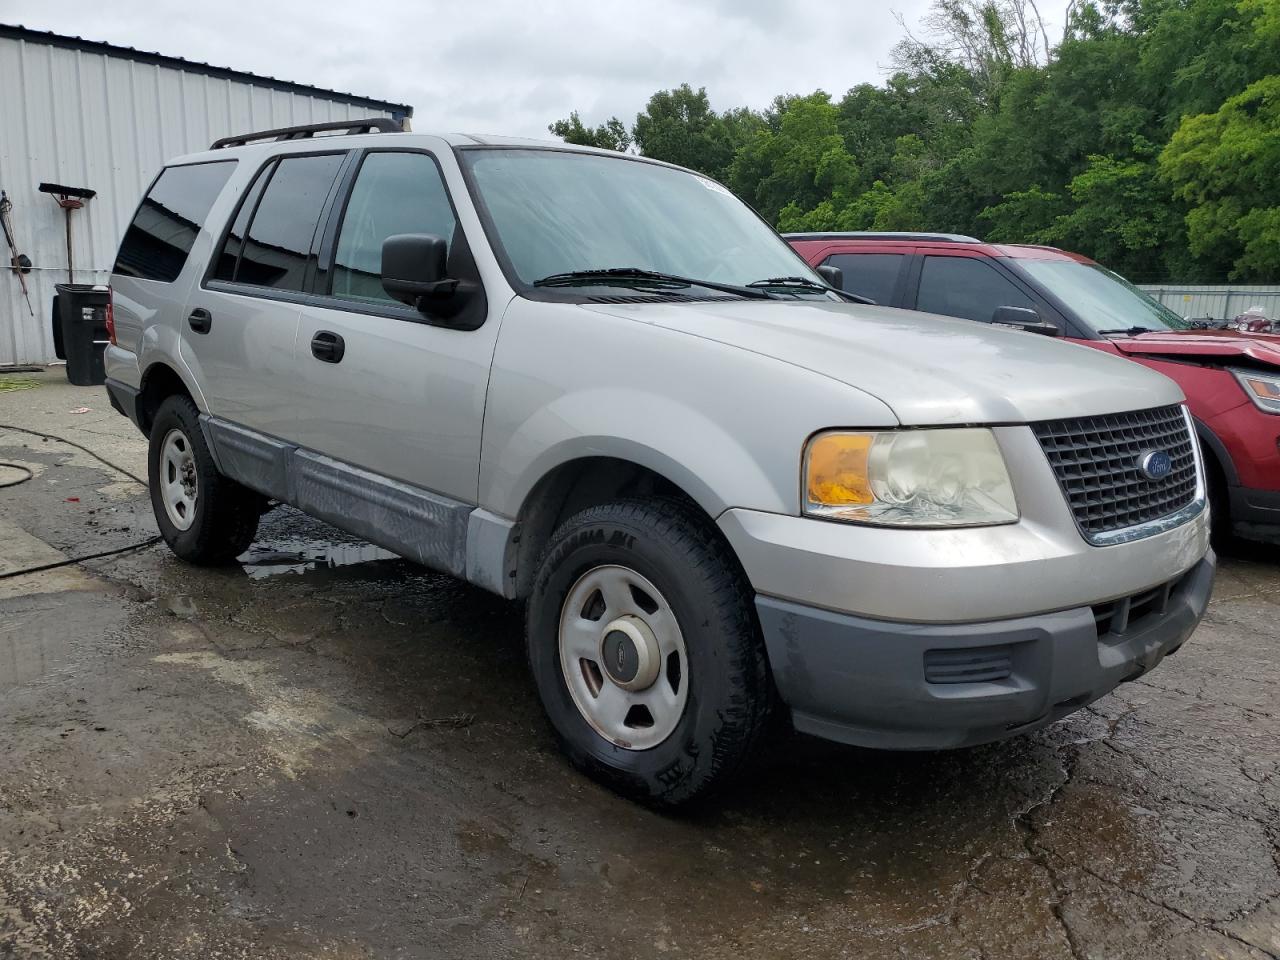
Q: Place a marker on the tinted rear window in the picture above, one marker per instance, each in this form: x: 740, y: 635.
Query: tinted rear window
x: 873, y: 275
x: 171, y: 216
x: 278, y: 244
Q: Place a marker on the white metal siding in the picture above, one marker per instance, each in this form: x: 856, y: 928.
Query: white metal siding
x: 1217, y: 302
x: 88, y: 119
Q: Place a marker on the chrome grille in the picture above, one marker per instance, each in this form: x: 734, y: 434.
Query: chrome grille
x: 1096, y: 461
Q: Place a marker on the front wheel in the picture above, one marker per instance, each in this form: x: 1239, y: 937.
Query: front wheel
x: 204, y: 517
x: 645, y: 648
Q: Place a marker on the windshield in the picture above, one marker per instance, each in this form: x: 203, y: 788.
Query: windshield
x: 555, y: 212
x: 1100, y: 298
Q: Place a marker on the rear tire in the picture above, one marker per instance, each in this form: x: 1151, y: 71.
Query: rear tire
x: 204, y: 517
x: 669, y: 734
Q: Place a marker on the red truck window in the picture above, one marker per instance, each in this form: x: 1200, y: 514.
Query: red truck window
x: 966, y: 287
x: 873, y: 275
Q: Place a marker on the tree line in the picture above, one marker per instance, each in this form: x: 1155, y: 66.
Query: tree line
x: 1147, y: 136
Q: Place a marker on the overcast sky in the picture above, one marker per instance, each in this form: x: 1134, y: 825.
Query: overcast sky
x: 512, y: 66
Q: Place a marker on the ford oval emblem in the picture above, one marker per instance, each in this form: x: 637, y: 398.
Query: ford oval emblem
x: 1155, y: 465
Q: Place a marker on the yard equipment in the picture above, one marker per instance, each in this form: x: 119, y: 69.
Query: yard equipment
x: 19, y: 263
x: 69, y: 199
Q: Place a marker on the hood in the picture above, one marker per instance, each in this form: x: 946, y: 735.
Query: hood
x: 930, y: 370
x: 1220, y: 345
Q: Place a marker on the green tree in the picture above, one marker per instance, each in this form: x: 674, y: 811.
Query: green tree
x: 680, y: 127
x: 610, y: 135
x: 1145, y: 136
x: 803, y: 162
x: 1123, y: 214
x: 1226, y: 166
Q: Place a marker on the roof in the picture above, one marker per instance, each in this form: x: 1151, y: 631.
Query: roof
x: 48, y: 38
x: 278, y: 141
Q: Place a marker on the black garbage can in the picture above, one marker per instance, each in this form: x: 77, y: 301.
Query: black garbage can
x: 81, y: 318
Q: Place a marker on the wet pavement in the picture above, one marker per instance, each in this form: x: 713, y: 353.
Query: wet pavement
x: 327, y: 752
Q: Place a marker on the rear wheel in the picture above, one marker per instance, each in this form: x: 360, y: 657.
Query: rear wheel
x: 204, y: 517
x: 645, y: 648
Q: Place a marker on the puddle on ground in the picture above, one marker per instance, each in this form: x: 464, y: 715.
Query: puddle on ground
x: 270, y: 558
x: 32, y: 646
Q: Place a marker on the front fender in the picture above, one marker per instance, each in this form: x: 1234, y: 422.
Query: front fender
x: 726, y: 425
x: 670, y: 438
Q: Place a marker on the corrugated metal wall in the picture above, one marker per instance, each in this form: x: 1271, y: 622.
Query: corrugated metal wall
x: 88, y: 119
x: 1219, y: 303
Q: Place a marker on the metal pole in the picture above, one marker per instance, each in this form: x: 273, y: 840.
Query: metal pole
x: 70, y: 269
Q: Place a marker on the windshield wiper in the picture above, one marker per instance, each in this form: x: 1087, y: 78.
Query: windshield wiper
x: 1129, y: 331
x: 629, y: 276
x: 807, y: 284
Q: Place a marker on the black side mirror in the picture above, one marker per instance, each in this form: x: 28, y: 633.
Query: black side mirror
x: 1024, y: 318
x: 414, y: 268
x: 833, y: 275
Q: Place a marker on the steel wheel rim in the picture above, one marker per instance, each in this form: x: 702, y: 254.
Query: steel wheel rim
x: 179, y: 486
x: 605, y: 602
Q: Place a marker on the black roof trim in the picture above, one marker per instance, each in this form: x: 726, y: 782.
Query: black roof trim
x: 309, y: 130
x: 48, y: 38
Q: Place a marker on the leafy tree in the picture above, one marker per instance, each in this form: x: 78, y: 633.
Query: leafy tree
x: 804, y: 161
x: 1145, y: 136
x: 1023, y: 214
x: 679, y: 126
x: 1226, y: 165
x: 1122, y: 213
x: 610, y: 135
x: 1197, y: 54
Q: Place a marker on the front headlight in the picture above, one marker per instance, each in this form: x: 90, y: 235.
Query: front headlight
x: 909, y: 478
x: 1263, y: 388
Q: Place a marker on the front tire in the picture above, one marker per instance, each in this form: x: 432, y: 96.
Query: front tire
x: 204, y: 517
x: 646, y: 651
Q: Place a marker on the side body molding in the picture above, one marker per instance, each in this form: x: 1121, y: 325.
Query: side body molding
x: 434, y: 530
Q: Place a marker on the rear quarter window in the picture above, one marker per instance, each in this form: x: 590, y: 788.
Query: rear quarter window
x: 170, y: 217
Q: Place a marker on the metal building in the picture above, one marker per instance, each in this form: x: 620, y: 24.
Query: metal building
x: 1220, y: 302
x: 93, y: 115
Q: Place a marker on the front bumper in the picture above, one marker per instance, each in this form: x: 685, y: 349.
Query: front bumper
x: 911, y: 686
x: 1255, y: 514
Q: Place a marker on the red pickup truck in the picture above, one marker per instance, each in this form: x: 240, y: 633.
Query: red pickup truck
x: 1231, y: 378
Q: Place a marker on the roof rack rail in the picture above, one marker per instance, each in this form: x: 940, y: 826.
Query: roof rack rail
x: 884, y: 235
x: 350, y: 128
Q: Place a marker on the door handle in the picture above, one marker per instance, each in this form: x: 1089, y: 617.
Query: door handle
x: 200, y: 320
x: 328, y: 347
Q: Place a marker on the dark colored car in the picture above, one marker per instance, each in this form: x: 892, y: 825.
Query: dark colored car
x: 1231, y: 378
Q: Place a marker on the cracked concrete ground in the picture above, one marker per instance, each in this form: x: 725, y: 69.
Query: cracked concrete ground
x: 298, y: 759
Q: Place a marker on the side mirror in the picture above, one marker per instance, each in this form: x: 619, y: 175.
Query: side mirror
x: 833, y: 275
x: 1024, y: 318
x: 413, y: 268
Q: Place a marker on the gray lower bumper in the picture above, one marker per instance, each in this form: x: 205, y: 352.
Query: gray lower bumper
x: 124, y: 399
x: 906, y: 686
x: 1255, y: 514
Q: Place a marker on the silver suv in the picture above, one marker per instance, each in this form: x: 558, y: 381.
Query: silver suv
x: 602, y: 386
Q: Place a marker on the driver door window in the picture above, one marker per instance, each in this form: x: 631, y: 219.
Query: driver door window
x: 966, y: 287
x: 394, y: 193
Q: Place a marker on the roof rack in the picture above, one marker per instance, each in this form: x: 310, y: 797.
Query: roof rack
x: 885, y: 235
x: 349, y: 128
